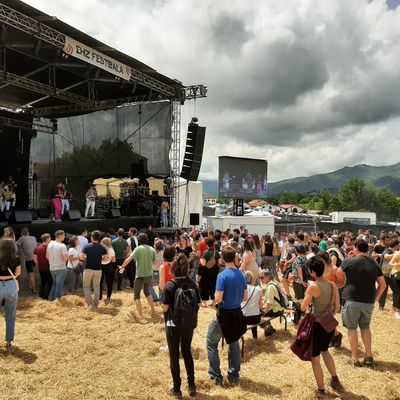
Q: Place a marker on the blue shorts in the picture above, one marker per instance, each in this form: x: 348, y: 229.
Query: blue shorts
x: 355, y: 314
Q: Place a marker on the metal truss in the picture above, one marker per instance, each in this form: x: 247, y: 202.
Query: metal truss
x: 49, y: 35
x: 194, y: 92
x: 175, y: 160
x: 39, y: 87
x: 34, y: 126
x: 47, y: 112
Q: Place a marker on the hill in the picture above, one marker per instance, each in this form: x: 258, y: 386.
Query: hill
x: 384, y: 176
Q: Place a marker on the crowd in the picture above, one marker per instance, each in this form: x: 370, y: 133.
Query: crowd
x: 247, y: 279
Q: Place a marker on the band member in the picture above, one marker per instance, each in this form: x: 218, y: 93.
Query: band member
x: 65, y: 200
x: 91, y: 195
x: 12, y: 186
x: 2, y: 203
x: 164, y: 213
x: 56, y: 195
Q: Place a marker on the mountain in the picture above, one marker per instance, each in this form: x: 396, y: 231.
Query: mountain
x: 385, y: 176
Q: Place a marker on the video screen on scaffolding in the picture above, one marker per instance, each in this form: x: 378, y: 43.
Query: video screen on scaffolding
x: 242, y: 178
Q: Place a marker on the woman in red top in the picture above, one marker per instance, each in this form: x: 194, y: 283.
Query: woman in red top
x: 165, y: 269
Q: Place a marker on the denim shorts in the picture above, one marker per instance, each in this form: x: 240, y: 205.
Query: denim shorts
x: 355, y: 314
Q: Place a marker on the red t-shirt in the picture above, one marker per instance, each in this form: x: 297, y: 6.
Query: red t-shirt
x: 167, y: 272
x: 202, y: 247
x: 43, y: 262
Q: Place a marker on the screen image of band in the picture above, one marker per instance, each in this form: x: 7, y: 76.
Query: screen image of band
x: 242, y: 177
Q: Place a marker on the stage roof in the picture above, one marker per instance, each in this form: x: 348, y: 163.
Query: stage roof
x: 56, y: 70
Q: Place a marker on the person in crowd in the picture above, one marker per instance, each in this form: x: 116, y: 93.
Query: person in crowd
x: 93, y: 253
x: 184, y: 246
x: 90, y: 196
x: 180, y: 335
x: 249, y: 259
x: 394, y: 282
x: 272, y: 307
x: 337, y: 253
x: 27, y: 243
x: 251, y: 308
x: 164, y: 213
x: 131, y: 267
x: 151, y: 236
x: 231, y: 291
x: 257, y: 248
x: 359, y: 275
x: 107, y: 271
x: 74, y: 279
x: 287, y: 271
x: 236, y: 237
x: 144, y: 256
x: 57, y: 255
x: 10, y: 269
x: 83, y: 240
x: 165, y: 269
x: 56, y: 195
x: 121, y: 249
x: 9, y: 234
x: 313, y: 250
x: 159, y: 248
x: 267, y: 253
x: 42, y: 263
x: 300, y: 272
x: 323, y: 246
x: 284, y: 247
x: 384, y: 260
x: 111, y: 233
x: 323, y: 295
x: 207, y: 273
x: 330, y: 275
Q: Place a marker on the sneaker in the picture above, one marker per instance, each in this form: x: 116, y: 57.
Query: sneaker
x: 321, y: 393
x: 9, y: 345
x: 354, y: 363
x: 217, y: 382
x: 397, y: 315
x: 192, y: 391
x: 233, y: 380
x: 269, y: 331
x: 337, y: 340
x: 335, y: 384
x: 176, y: 393
x: 369, y: 361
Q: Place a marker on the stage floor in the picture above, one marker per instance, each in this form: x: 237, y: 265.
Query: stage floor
x: 40, y: 226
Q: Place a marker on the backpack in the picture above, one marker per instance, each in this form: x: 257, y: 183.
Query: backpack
x: 186, y: 308
x: 283, y: 300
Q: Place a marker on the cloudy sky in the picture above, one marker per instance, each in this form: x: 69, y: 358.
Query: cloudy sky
x: 311, y: 86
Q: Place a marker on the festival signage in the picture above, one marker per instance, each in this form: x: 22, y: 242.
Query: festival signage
x: 85, y: 53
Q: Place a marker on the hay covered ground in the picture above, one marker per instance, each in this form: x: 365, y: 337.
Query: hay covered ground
x: 66, y: 351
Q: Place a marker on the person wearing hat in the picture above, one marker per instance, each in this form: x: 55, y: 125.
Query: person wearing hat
x: 91, y: 195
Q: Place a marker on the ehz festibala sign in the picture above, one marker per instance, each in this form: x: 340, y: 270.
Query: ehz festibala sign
x: 85, y: 53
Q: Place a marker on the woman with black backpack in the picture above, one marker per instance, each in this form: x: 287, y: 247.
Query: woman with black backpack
x: 181, y: 305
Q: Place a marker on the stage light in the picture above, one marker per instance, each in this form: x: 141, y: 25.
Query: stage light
x: 194, y: 121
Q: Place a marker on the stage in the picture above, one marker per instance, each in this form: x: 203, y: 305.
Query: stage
x: 38, y: 227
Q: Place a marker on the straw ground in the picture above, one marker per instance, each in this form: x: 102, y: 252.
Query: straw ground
x: 66, y: 351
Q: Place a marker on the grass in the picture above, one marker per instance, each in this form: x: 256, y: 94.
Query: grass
x: 65, y: 351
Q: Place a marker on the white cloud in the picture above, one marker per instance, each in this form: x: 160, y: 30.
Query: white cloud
x: 310, y: 86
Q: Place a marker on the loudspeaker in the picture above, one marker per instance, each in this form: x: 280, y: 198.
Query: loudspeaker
x: 113, y: 213
x: 43, y: 213
x: 194, y: 219
x: 238, y: 207
x: 194, y: 152
x: 72, y: 215
x: 19, y: 217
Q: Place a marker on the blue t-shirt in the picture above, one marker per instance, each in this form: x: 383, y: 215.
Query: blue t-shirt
x: 94, y: 254
x: 233, y: 283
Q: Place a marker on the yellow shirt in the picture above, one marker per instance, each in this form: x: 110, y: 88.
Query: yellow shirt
x: 270, y: 295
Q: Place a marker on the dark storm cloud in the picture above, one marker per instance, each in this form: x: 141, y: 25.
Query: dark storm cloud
x: 228, y: 34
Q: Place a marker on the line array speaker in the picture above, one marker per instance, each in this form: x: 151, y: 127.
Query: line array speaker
x: 194, y: 152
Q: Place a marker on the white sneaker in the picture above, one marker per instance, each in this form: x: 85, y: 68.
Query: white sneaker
x: 397, y: 314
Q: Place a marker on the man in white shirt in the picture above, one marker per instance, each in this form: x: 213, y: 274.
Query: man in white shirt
x: 57, y: 255
x: 83, y: 241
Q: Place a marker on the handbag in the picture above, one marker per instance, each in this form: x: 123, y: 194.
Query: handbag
x: 326, y: 318
x: 303, y: 344
x: 15, y: 278
x: 78, y: 269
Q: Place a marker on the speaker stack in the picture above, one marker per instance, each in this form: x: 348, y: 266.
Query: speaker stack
x: 194, y: 151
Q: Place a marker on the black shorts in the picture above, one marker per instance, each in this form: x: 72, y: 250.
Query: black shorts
x: 321, y: 339
x: 30, y: 266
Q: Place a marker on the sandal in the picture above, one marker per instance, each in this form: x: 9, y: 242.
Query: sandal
x: 354, y: 363
x: 369, y: 361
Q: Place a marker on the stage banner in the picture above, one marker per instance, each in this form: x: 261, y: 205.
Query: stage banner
x: 85, y: 53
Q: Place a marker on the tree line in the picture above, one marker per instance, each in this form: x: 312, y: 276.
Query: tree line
x: 356, y: 195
